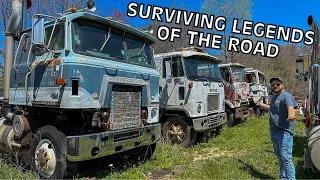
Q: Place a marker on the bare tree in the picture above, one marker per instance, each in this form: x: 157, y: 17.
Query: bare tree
x: 118, y: 15
x: 230, y: 9
x: 183, y: 41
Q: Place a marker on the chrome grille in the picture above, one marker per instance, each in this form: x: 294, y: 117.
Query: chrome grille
x: 125, y: 107
x: 213, y: 102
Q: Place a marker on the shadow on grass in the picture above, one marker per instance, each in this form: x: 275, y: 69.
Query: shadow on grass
x: 103, y: 167
x: 253, y: 172
x: 299, y: 144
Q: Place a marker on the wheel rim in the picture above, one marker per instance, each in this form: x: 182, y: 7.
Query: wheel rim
x: 45, y: 158
x: 176, y: 133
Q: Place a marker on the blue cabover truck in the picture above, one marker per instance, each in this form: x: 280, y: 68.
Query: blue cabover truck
x: 78, y: 87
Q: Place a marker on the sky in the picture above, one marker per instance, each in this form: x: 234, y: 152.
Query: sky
x: 292, y: 13
x: 288, y: 13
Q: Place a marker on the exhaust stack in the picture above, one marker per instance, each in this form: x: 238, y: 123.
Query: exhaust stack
x: 12, y: 32
x: 314, y: 70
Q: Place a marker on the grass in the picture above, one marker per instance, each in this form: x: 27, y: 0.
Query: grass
x: 242, y: 152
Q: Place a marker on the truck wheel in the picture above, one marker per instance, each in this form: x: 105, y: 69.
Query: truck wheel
x: 258, y: 112
x: 48, y: 153
x: 177, y: 132
x: 230, y: 118
x: 143, y: 153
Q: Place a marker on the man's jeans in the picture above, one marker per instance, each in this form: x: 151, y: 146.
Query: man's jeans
x: 282, y: 145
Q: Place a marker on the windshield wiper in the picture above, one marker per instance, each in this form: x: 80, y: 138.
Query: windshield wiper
x: 107, y: 39
x: 141, y: 48
x: 202, y: 78
x: 218, y: 80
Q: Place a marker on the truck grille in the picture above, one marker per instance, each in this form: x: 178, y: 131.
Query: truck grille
x: 125, y: 107
x: 213, y: 102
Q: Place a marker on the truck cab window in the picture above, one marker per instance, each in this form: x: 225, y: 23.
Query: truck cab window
x: 138, y: 50
x: 57, y: 40
x: 97, y: 39
x: 177, y: 67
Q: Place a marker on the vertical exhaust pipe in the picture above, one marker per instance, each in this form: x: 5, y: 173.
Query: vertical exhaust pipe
x: 314, y: 71
x: 11, y: 33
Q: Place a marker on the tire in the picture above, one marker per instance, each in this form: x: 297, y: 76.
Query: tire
x: 143, y: 153
x: 53, y: 142
x: 230, y: 118
x: 187, y: 132
x: 258, y: 112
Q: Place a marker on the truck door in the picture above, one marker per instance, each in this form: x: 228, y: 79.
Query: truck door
x: 20, y: 69
x: 174, y: 87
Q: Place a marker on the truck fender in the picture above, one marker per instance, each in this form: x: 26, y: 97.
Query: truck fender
x: 228, y: 103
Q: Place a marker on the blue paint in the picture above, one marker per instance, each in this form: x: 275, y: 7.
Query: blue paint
x: 89, y: 70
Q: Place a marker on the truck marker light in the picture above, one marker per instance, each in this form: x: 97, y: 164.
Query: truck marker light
x: 61, y: 81
x: 190, y: 85
x: 29, y: 4
x: 73, y: 10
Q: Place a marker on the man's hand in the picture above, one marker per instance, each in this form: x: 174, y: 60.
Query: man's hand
x: 291, y: 118
x: 260, y: 103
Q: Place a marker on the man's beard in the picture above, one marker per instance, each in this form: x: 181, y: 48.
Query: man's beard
x: 276, y: 90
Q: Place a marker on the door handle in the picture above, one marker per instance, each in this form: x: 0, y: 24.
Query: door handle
x: 111, y: 68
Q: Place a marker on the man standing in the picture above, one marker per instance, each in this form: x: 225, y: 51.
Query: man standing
x: 282, y: 124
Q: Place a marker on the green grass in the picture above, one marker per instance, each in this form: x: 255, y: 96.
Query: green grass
x: 242, y: 152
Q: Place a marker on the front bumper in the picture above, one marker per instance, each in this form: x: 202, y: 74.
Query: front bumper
x: 209, y: 122
x: 92, y: 146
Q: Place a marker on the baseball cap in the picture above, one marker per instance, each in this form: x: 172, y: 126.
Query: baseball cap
x: 275, y: 79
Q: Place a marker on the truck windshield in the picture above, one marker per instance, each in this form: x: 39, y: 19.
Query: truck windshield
x: 199, y: 70
x: 238, y: 73
x: 99, y: 40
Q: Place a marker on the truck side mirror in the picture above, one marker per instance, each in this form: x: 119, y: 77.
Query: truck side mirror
x: 168, y: 78
x: 38, y: 47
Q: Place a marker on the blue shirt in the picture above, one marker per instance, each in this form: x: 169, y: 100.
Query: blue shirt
x: 279, y: 113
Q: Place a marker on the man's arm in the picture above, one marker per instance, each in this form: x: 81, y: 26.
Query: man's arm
x: 291, y: 105
x: 265, y: 106
x: 291, y: 113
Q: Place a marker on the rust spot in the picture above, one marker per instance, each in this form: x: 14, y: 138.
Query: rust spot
x: 50, y: 62
x: 36, y: 63
x: 27, y: 140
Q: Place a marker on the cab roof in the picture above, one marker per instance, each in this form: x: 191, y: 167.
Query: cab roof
x: 190, y: 53
x: 114, y: 23
x: 231, y: 64
x: 250, y: 70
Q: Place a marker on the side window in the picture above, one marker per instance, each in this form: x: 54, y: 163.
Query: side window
x: 224, y: 73
x: 261, y: 79
x: 57, y: 40
x: 177, y: 67
x: 166, y: 66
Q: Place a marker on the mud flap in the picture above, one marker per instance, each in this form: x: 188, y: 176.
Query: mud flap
x: 307, y: 159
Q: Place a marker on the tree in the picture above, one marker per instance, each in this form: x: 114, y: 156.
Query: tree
x: 118, y: 15
x: 229, y: 9
x: 183, y: 41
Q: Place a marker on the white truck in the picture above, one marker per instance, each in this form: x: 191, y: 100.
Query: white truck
x: 258, y: 89
x: 236, y: 92
x: 191, y: 96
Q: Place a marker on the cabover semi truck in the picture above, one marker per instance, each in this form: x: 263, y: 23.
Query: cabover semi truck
x: 236, y: 92
x: 191, y: 96
x: 78, y: 87
x: 311, y: 74
x: 258, y: 89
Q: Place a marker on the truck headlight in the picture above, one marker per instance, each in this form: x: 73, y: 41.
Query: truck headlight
x: 199, y: 108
